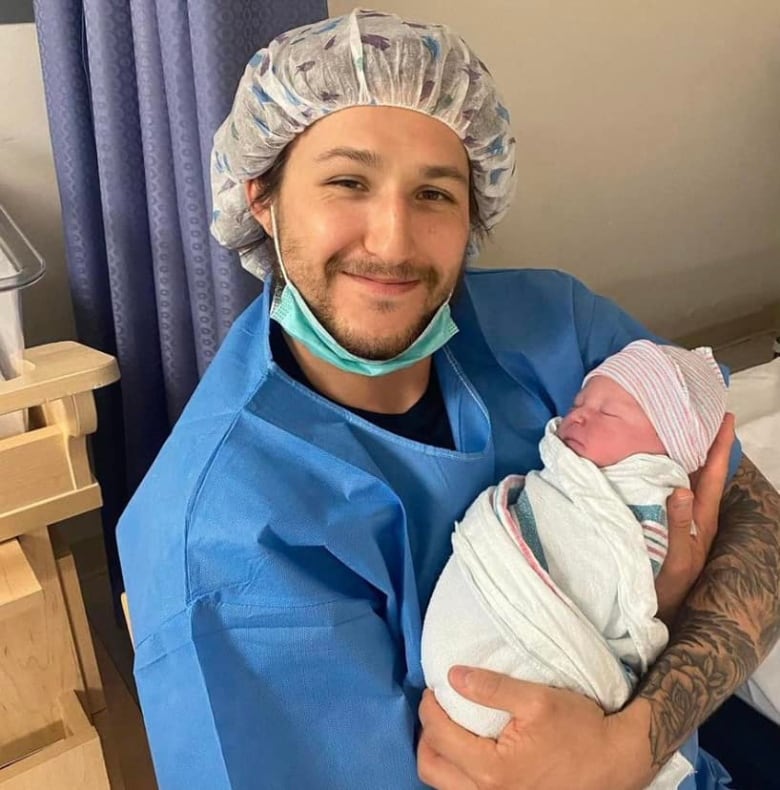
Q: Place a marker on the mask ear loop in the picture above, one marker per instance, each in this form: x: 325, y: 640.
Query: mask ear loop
x: 277, y: 247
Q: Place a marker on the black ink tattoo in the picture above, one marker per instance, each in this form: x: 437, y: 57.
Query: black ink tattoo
x: 730, y: 620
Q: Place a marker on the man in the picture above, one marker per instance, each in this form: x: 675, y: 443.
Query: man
x: 281, y: 551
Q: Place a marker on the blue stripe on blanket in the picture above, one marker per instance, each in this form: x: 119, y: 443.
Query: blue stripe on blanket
x: 524, y: 514
x: 649, y: 513
x: 631, y: 676
x: 653, y: 516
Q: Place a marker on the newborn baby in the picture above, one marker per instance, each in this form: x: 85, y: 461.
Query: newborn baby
x: 552, y: 574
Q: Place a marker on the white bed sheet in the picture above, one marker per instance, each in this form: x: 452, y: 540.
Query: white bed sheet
x: 754, y: 397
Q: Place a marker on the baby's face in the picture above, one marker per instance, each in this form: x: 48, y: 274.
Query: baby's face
x: 606, y: 424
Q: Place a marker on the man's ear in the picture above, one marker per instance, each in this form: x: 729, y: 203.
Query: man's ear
x: 260, y: 211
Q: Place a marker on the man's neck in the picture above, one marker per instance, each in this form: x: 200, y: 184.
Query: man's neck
x: 394, y: 393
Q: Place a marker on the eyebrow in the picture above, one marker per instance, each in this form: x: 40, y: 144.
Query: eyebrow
x: 445, y: 171
x: 360, y: 155
x: 371, y: 159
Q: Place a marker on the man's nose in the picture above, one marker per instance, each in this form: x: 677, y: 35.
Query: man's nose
x: 390, y: 230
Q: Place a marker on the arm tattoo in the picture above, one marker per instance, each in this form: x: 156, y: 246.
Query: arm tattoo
x: 730, y: 620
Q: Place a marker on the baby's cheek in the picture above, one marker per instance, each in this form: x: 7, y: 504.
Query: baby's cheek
x: 586, y: 449
x: 595, y: 449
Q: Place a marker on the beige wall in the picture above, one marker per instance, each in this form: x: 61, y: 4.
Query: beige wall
x: 649, y: 145
x: 649, y: 150
x: 28, y: 189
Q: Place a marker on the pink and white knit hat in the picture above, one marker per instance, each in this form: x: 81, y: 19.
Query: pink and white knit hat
x: 682, y: 392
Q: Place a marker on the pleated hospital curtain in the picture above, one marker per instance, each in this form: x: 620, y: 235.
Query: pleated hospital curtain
x: 134, y: 91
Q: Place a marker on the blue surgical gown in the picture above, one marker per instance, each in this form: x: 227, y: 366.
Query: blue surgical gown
x: 281, y: 551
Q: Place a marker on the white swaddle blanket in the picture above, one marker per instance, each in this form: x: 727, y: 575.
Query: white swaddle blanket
x: 588, y: 624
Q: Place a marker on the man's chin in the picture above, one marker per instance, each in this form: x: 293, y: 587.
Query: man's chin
x: 376, y: 352
x: 375, y: 337
x: 375, y: 347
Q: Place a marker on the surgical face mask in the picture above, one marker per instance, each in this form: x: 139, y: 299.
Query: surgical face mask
x: 289, y: 309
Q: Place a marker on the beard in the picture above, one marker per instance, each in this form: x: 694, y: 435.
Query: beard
x: 317, y: 296
x: 374, y: 348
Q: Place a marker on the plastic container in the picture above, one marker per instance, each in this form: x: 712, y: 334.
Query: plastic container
x: 20, y: 266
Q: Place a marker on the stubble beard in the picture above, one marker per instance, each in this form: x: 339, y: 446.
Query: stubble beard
x: 319, y: 302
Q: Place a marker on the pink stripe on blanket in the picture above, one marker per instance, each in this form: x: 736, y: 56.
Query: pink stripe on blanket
x: 655, y: 552
x: 655, y: 529
x: 507, y: 517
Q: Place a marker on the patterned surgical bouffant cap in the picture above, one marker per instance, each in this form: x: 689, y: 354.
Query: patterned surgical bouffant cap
x: 363, y: 58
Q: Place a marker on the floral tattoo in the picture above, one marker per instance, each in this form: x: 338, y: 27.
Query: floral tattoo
x: 730, y: 620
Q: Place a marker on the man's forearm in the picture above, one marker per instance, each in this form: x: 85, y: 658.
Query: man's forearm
x: 729, y: 621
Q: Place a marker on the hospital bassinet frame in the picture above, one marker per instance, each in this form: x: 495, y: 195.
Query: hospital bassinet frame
x: 54, y: 726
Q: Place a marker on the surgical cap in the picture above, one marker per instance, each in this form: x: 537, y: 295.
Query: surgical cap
x: 362, y: 58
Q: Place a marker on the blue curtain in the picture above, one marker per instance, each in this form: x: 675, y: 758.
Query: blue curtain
x: 134, y: 92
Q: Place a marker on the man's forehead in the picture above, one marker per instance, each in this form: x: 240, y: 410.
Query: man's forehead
x: 374, y: 135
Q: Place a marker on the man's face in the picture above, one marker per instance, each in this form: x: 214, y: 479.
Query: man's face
x: 373, y: 221
x: 606, y: 424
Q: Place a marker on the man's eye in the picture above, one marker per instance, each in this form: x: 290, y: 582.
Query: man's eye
x: 347, y: 183
x: 434, y: 195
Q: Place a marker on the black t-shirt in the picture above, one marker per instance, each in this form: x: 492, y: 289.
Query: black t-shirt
x: 425, y: 422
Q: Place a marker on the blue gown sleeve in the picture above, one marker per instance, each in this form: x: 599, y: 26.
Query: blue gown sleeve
x: 237, y: 696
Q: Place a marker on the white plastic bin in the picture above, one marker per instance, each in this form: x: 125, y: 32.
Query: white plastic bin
x: 20, y: 266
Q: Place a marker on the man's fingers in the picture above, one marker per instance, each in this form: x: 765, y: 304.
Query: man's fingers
x: 457, y: 745
x: 727, y: 432
x: 693, y: 519
x: 679, y: 508
x: 675, y: 577
x: 717, y: 464
x: 437, y: 772
x: 519, y: 698
x: 673, y: 580
x: 712, y: 476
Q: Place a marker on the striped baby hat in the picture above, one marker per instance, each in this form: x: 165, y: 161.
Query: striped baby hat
x: 682, y: 392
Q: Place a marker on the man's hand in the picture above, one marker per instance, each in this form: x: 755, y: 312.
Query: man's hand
x: 688, y: 548
x: 555, y: 739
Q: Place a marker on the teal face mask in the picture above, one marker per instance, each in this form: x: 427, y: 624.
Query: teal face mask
x: 289, y: 309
